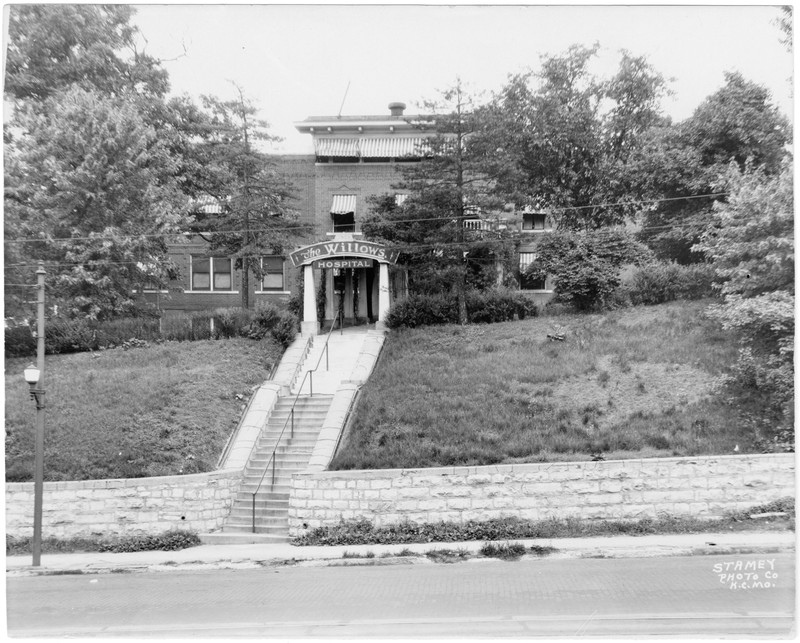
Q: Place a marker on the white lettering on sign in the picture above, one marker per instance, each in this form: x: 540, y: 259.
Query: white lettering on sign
x: 747, y: 574
x: 343, y: 248
x: 342, y: 263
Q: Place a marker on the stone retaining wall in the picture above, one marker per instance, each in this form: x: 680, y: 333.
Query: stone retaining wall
x: 624, y: 489
x: 198, y: 502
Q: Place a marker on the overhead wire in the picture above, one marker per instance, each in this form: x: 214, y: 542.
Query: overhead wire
x: 314, y: 226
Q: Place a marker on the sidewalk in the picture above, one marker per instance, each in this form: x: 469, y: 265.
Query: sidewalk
x: 210, y: 557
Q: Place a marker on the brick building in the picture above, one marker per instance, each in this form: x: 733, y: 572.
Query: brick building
x: 354, y: 158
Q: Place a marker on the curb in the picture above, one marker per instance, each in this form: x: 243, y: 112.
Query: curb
x: 243, y: 557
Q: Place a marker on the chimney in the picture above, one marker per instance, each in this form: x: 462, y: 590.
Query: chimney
x: 397, y: 109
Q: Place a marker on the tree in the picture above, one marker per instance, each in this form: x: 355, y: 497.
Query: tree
x: 256, y: 218
x: 736, y: 123
x: 90, y: 187
x: 562, y: 138
x: 585, y: 266
x: 54, y: 47
x: 445, y: 187
x: 751, y: 242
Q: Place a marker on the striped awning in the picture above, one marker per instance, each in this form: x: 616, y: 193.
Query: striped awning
x: 400, y: 199
x: 387, y: 147
x: 526, y: 259
x: 207, y: 205
x: 391, y: 147
x: 343, y: 203
x: 336, y: 146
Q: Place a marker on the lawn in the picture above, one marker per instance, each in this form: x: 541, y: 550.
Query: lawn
x: 164, y: 409
x: 627, y: 384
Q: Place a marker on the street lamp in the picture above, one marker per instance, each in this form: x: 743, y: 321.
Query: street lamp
x: 34, y: 376
x: 31, y: 374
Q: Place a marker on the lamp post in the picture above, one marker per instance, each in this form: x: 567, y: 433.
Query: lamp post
x: 34, y: 376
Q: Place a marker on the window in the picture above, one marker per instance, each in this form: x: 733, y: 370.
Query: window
x: 533, y: 220
x: 211, y: 273
x: 272, y: 278
x: 526, y: 282
x: 344, y: 222
x: 343, y: 212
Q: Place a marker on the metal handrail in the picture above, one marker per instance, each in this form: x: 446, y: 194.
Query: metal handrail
x: 291, y: 416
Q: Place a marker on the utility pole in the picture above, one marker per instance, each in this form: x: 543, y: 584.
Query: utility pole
x: 38, y: 469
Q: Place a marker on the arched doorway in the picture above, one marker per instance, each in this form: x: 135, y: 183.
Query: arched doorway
x: 356, y: 278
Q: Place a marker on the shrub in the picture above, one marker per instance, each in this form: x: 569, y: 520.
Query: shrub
x: 20, y: 341
x: 168, y: 541
x: 231, y: 322
x: 492, y: 306
x: 586, y: 266
x: 489, y: 306
x: 423, y: 310
x: 191, y: 327
x: 284, y: 330
x: 505, y: 551
x: 116, y: 331
x: 657, y: 283
x: 69, y: 336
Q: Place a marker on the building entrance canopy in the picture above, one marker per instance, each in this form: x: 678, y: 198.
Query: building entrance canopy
x: 343, y: 249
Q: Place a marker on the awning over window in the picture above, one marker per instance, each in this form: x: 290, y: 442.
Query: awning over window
x: 400, y: 199
x: 387, y: 147
x: 526, y: 259
x: 391, y: 147
x: 207, y: 205
x: 343, y: 203
x: 336, y: 146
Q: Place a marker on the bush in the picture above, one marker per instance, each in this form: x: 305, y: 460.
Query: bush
x: 284, y: 330
x: 69, y: 336
x: 168, y: 541
x: 492, y: 306
x: 20, y: 341
x: 231, y: 322
x: 504, y: 551
x: 658, y: 283
x: 423, y: 310
x: 483, y: 307
x: 191, y: 327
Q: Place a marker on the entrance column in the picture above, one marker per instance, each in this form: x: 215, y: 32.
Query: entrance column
x: 383, y: 295
x: 309, y: 325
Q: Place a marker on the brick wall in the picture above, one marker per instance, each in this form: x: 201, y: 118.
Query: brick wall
x: 361, y: 179
x: 198, y: 502
x: 625, y: 489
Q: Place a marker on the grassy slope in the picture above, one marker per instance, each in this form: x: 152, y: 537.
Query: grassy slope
x: 161, y: 410
x: 631, y: 383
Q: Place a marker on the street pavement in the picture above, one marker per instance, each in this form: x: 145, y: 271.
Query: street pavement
x: 727, y: 595
x: 257, y: 555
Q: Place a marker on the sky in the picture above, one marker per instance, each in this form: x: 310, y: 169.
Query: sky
x: 295, y: 61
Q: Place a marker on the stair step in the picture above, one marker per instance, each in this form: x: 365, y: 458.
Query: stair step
x: 241, y: 538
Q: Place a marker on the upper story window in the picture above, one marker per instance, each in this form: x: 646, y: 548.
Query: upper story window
x: 343, y: 212
x: 534, y: 221
x: 272, y: 268
x: 211, y: 273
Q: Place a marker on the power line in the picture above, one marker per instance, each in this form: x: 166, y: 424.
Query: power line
x: 392, y: 221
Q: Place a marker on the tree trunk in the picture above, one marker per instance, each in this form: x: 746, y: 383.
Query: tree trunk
x: 245, y: 282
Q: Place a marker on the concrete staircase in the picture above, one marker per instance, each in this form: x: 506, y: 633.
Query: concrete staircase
x: 343, y: 351
x: 291, y: 456
x: 291, y: 453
